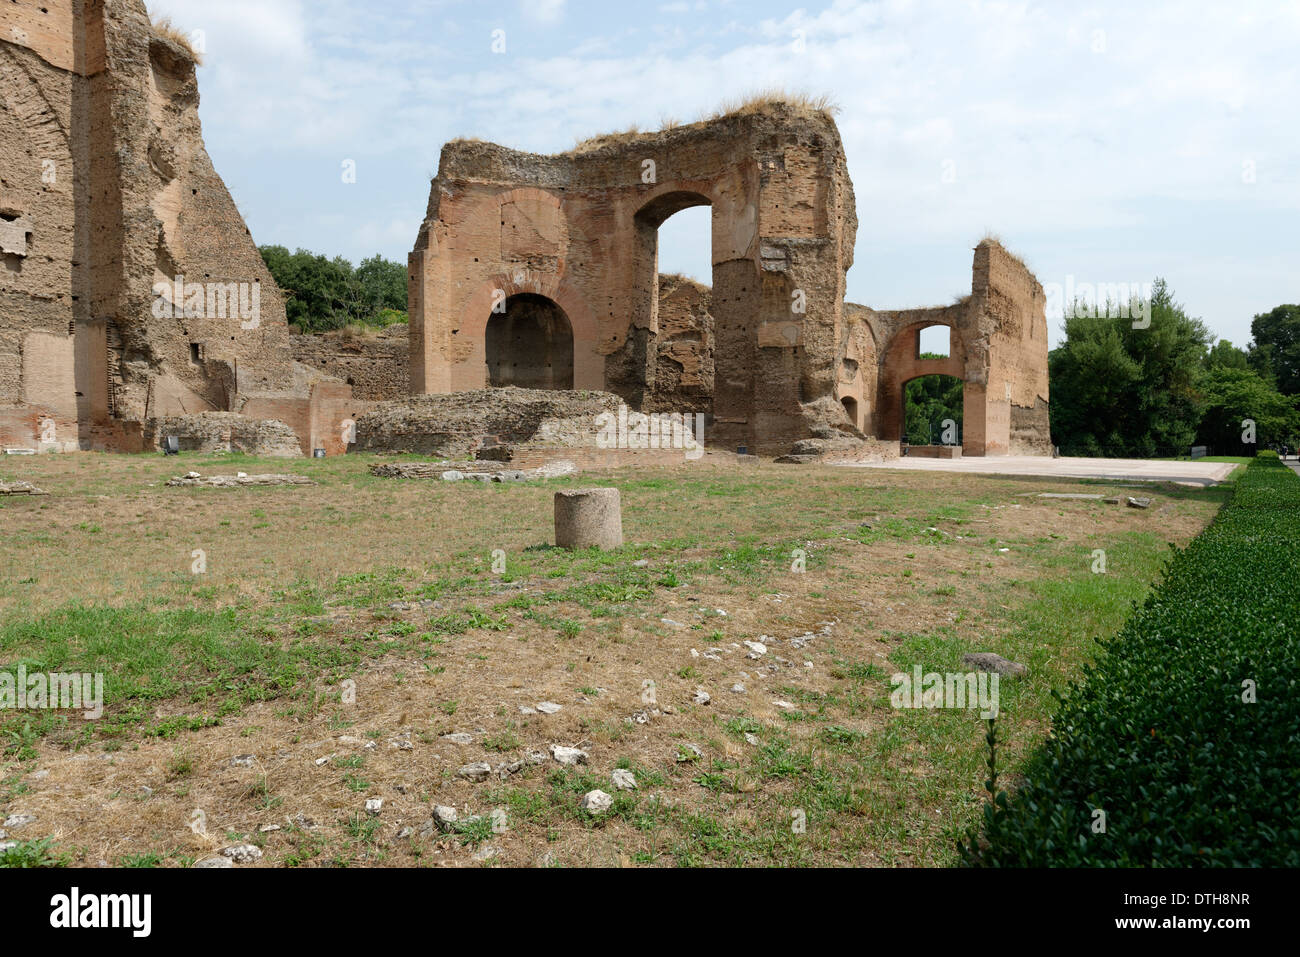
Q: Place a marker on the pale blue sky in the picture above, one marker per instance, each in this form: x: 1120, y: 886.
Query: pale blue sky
x: 1112, y: 141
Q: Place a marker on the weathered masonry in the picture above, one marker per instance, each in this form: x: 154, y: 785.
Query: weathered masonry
x: 542, y: 272
x: 130, y: 289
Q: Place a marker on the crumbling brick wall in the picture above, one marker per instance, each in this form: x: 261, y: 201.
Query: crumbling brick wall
x: 108, y: 203
x: 580, y: 229
x: 378, y: 367
x: 683, y: 348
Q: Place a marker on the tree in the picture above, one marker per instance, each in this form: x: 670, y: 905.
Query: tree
x: 323, y: 294
x: 1277, y: 347
x: 1124, y: 391
x: 383, y: 284
x: 1233, y: 396
x: 1224, y: 355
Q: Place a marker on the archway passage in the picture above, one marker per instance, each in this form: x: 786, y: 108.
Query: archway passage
x: 851, y: 410
x: 530, y: 345
x: 932, y: 410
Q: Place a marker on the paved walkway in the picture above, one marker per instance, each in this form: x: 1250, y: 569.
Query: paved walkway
x: 1126, y: 470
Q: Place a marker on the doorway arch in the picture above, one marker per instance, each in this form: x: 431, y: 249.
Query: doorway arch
x: 529, y: 344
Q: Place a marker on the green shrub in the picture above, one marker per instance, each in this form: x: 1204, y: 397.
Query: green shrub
x: 1159, y: 735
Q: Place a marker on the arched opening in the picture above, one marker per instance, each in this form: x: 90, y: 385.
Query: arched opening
x: 934, y: 342
x: 530, y: 345
x: 673, y: 335
x: 851, y: 410
x: 932, y: 410
x: 685, y: 244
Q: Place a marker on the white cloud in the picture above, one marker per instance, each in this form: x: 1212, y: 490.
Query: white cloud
x: 1090, y: 157
x: 542, y: 11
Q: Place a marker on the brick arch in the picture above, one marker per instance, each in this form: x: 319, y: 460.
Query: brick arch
x: 899, y: 366
x: 525, y: 193
x: 668, y: 199
x: 470, y: 372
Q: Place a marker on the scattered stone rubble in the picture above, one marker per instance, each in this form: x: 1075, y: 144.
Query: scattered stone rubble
x: 195, y: 480
x: 20, y: 488
x: 481, y: 471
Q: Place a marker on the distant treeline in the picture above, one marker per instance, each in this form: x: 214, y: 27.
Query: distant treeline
x: 321, y: 294
x: 1157, y: 390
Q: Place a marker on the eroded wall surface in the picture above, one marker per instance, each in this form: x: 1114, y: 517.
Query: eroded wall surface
x: 130, y: 288
x: 377, y: 368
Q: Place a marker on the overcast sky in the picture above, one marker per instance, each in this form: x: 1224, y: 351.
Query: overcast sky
x: 1110, y: 141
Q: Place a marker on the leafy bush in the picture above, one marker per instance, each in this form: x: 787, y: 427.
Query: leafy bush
x: 1161, y: 735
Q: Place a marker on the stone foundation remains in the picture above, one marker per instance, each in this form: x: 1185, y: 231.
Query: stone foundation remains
x: 225, y: 432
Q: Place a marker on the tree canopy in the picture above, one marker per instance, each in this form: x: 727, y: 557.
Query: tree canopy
x: 928, y: 402
x: 323, y: 294
x: 1123, y: 391
x: 1276, y: 354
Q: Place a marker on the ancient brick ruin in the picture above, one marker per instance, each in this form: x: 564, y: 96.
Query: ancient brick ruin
x: 134, y: 304
x: 542, y: 271
x: 130, y: 289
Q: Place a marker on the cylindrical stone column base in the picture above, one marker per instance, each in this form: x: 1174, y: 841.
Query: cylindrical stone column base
x: 589, y: 518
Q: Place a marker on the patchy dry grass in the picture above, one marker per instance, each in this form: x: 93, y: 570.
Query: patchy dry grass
x: 763, y: 100
x: 386, y: 589
x: 760, y: 101
x: 163, y: 27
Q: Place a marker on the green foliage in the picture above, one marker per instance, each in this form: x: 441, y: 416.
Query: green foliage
x: 1233, y: 395
x: 1121, y: 391
x: 322, y: 294
x: 1224, y: 355
x: 1276, y: 353
x: 1162, y: 735
x: 930, y: 400
x: 33, y: 854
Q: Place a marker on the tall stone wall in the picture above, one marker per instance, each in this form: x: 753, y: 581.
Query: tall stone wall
x: 580, y: 229
x: 109, y: 202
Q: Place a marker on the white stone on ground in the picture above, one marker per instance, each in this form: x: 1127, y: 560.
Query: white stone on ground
x: 568, y: 756
x: 624, y: 780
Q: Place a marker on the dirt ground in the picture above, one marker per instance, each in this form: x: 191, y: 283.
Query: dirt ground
x: 383, y: 595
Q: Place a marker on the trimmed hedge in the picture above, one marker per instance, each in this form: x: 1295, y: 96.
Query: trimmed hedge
x: 1158, y: 735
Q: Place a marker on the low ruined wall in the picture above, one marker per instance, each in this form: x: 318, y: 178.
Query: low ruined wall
x: 934, y: 451
x: 460, y: 425
x: 224, y: 432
